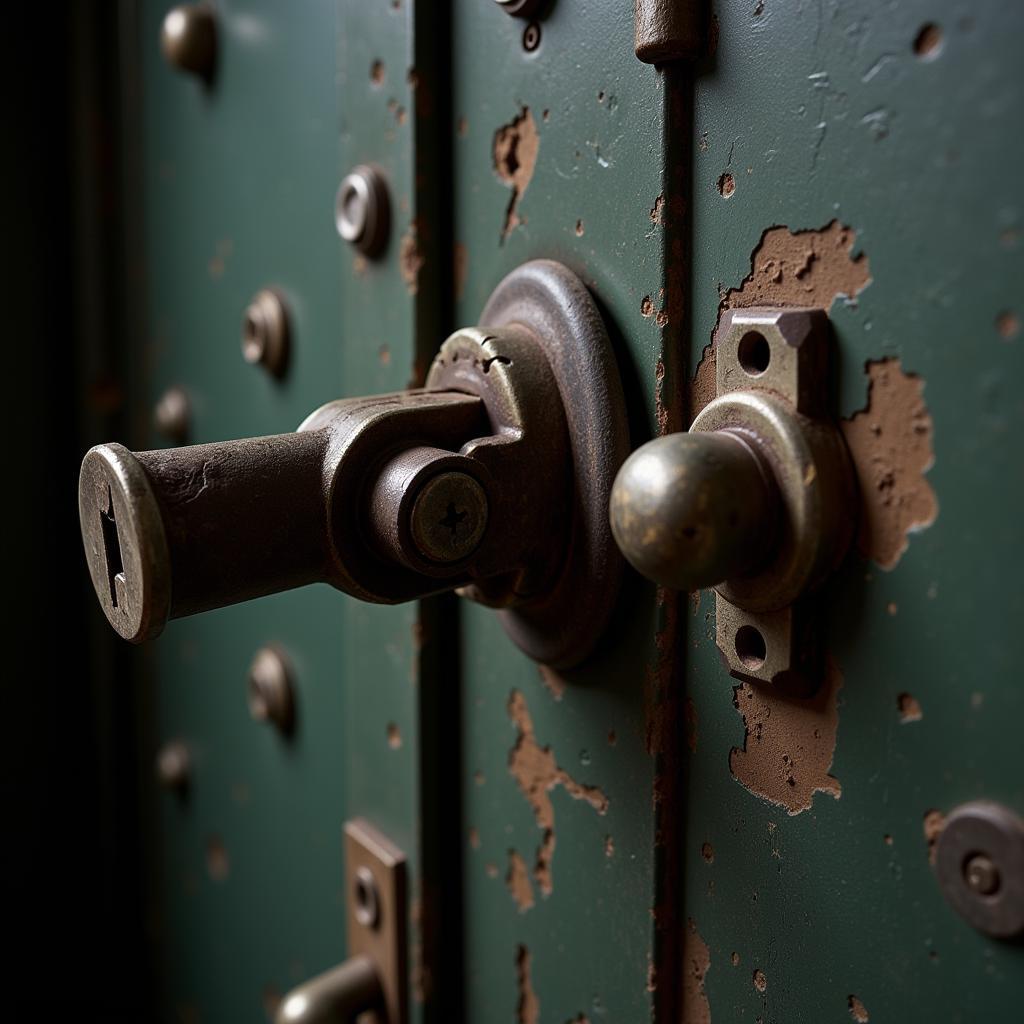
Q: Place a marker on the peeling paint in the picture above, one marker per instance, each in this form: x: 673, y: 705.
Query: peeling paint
x: 528, y: 1006
x: 410, y: 259
x: 537, y: 772
x: 857, y: 1010
x: 553, y: 682
x: 813, y: 267
x: 910, y: 708
x: 933, y: 825
x: 696, y: 964
x: 517, y: 881
x: 515, y: 156
x: 890, y: 441
x: 789, y: 743
x: 760, y: 980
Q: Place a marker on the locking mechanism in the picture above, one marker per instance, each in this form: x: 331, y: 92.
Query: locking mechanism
x: 493, y: 480
x: 757, y: 500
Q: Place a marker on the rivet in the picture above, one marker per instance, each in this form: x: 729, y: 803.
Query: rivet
x: 270, y: 689
x: 366, y: 899
x: 171, y: 415
x: 981, y: 875
x: 173, y: 765
x: 188, y: 39
x: 531, y: 37
x: 362, y: 210
x: 266, y: 333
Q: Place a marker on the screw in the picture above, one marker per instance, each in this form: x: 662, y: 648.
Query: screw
x: 270, y: 689
x: 171, y: 415
x: 265, y: 332
x: 449, y: 516
x: 981, y: 875
x: 367, y: 898
x: 531, y: 37
x: 188, y: 39
x: 173, y: 765
x: 361, y: 210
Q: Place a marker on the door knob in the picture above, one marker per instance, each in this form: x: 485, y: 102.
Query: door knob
x: 493, y: 480
x: 757, y: 500
x: 337, y: 996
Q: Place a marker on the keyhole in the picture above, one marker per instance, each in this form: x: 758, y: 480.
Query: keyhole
x: 452, y: 518
x: 111, y: 547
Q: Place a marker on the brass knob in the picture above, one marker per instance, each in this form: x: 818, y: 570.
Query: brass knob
x: 693, y: 510
x: 188, y: 39
x: 337, y: 996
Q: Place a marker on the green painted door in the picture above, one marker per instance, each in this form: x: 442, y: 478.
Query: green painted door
x: 642, y: 838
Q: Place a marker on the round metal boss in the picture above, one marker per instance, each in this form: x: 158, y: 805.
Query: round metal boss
x: 979, y: 861
x: 361, y: 209
x: 188, y: 39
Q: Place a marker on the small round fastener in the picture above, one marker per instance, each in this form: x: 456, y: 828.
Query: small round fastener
x: 362, y: 210
x: 173, y: 766
x: 520, y: 8
x: 366, y: 898
x: 449, y: 517
x: 172, y: 415
x: 979, y: 862
x: 266, y: 333
x: 188, y: 39
x: 270, y: 689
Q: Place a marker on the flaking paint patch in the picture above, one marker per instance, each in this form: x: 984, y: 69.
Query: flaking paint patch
x: 410, y: 259
x: 553, y: 682
x: 933, y: 825
x: 890, y: 441
x: 909, y: 708
x: 696, y: 964
x: 515, y: 157
x: 813, y: 267
x: 536, y: 771
x: 527, y: 1006
x: 857, y: 1010
x: 789, y: 744
x: 517, y: 881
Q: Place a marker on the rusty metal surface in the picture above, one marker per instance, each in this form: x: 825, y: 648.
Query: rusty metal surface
x: 670, y: 29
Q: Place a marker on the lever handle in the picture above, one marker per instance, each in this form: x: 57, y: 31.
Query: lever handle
x: 337, y: 996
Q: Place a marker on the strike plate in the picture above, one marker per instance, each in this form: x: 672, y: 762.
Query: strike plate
x: 375, y: 886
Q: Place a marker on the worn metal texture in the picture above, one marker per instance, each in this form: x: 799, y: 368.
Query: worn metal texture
x: 558, y: 154
x: 239, y: 183
x: 847, y: 152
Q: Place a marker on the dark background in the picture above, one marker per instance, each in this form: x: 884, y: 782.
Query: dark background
x: 73, y: 795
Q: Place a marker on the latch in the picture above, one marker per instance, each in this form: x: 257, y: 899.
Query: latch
x: 493, y: 480
x: 758, y: 500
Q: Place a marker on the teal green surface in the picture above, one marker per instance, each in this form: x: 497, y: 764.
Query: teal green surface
x: 599, y: 116
x: 824, y: 111
x: 239, y: 182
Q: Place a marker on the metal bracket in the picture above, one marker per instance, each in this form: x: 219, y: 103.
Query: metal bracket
x: 375, y: 886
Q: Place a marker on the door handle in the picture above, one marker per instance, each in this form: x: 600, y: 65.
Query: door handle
x: 492, y: 480
x: 758, y: 500
x: 337, y: 996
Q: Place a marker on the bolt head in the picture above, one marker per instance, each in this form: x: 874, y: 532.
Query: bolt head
x: 361, y: 210
x: 449, y: 517
x: 173, y: 765
x: 172, y: 415
x: 188, y: 39
x: 265, y: 332
x: 270, y: 689
x: 981, y: 875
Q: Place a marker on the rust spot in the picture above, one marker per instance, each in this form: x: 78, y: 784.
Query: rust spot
x: 890, y: 441
x: 696, y: 964
x: 612, y: 738
x: 760, y: 980
x: 928, y: 41
x: 410, y: 259
x: 462, y: 127
x: 517, y: 881
x: 887, y: 839
x: 217, y: 862
x: 707, y: 851
x: 474, y: 838
x: 377, y: 72
x: 515, y: 156
x: 609, y: 846
x: 647, y: 308
x: 726, y: 185
x: 658, y: 211
x: 580, y: 230
x: 394, y: 736
x: 661, y: 319
x: 1007, y: 325
x: 527, y: 1006
x: 933, y: 824
x: 536, y: 771
x: 789, y: 743
x: 460, y: 258
x: 857, y: 1010
x: 735, y: 959
x: 384, y: 355
x: 478, y: 778
x: 910, y: 708
x: 553, y: 682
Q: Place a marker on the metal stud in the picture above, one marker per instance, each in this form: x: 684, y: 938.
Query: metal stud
x: 171, y: 416
x: 266, y: 334
x: 188, y: 39
x: 173, y: 766
x: 362, y: 210
x: 270, y: 689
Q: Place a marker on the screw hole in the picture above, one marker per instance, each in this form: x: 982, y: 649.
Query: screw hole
x: 531, y: 37
x: 367, y: 905
x: 754, y: 353
x: 750, y: 647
